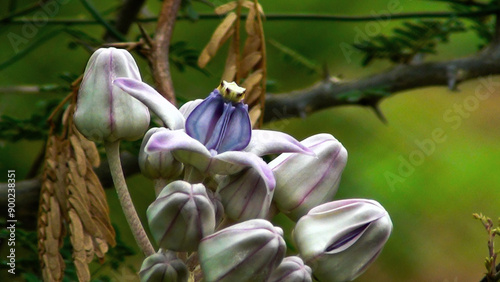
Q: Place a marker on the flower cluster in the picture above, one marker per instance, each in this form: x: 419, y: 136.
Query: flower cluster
x: 222, y: 207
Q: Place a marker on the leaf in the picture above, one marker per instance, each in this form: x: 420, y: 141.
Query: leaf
x: 295, y: 58
x: 217, y: 39
x: 225, y: 8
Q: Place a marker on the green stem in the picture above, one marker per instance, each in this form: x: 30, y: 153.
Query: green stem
x: 115, y: 166
x: 193, y: 175
x: 159, y: 184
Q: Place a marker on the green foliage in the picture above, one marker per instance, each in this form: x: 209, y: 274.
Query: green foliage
x: 484, y: 27
x: 33, y: 128
x: 408, y: 40
x: 181, y: 56
x: 294, y: 58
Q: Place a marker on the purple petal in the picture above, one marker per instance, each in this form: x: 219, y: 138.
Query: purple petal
x: 232, y: 162
x: 167, y: 112
x: 201, y: 122
x: 265, y: 142
x: 232, y: 131
x: 188, y: 107
x: 238, y: 131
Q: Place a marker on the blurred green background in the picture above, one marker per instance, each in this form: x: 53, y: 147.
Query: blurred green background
x: 435, y: 237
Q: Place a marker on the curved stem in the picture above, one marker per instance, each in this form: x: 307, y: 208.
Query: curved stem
x: 115, y: 166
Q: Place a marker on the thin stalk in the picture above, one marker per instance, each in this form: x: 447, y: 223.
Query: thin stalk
x: 115, y: 166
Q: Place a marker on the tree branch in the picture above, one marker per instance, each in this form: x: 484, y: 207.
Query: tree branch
x: 369, y: 91
x: 161, y: 44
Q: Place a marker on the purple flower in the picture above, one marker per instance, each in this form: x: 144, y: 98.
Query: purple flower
x: 213, y: 135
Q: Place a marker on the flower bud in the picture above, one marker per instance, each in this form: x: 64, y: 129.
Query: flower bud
x: 218, y: 207
x: 181, y: 216
x: 163, y: 267
x: 155, y: 165
x: 340, y: 239
x: 304, y: 181
x: 103, y: 111
x: 245, y: 195
x: 247, y: 251
x: 291, y: 269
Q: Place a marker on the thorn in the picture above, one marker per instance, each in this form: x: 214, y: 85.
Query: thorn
x: 325, y: 72
x: 451, y: 75
x: 145, y: 35
x: 375, y: 107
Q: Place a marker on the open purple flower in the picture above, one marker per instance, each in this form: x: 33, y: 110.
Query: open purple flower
x: 213, y: 135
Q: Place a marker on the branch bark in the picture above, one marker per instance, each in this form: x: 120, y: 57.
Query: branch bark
x: 370, y: 90
x: 160, y: 49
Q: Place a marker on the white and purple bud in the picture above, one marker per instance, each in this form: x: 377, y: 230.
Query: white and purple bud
x: 340, y: 239
x: 291, y: 269
x: 158, y: 165
x: 245, y: 195
x: 181, y: 216
x: 304, y: 181
x: 221, y: 121
x: 247, y: 251
x: 218, y: 206
x: 104, y: 112
x: 163, y: 266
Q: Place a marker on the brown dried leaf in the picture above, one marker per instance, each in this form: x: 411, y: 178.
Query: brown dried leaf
x: 55, y: 219
x: 249, y: 62
x: 89, y: 147
x: 252, y: 44
x: 255, y: 114
x: 82, y: 270
x: 76, y: 231
x: 218, y: 38
x: 250, y: 23
x: 252, y: 81
x: 251, y: 5
x: 225, y: 8
x: 84, y: 216
x: 254, y: 95
x: 231, y: 64
x: 79, y: 154
x: 89, y: 248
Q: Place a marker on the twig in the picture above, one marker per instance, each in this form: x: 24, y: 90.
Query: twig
x: 97, y: 16
x: 161, y: 44
x: 331, y: 93
x: 26, y: 10
x: 281, y: 17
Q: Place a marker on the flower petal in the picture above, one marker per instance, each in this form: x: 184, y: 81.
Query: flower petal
x: 167, y: 112
x: 265, y: 142
x: 237, y: 131
x: 184, y: 148
x: 188, y: 107
x: 201, y: 122
x: 232, y: 162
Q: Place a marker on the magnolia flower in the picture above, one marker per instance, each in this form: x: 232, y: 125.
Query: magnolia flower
x: 103, y: 111
x: 340, y: 239
x: 215, y: 136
